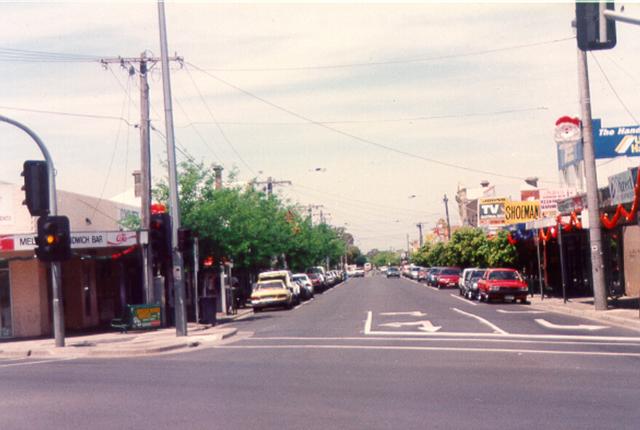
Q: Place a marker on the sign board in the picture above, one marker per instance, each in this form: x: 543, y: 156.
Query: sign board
x: 622, y: 187
x: 491, y: 211
x: 145, y: 316
x: 79, y: 240
x: 549, y: 199
x: 521, y: 212
x: 6, y: 204
x: 611, y: 142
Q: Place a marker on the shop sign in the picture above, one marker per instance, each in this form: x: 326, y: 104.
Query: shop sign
x: 575, y: 203
x: 6, y: 204
x: 621, y: 188
x: 80, y: 240
x: 611, y: 142
x: 521, y: 212
x: 491, y: 211
x: 549, y: 199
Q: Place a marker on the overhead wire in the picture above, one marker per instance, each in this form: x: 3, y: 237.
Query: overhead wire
x: 361, y: 139
x: 218, y: 126
x: 392, y: 62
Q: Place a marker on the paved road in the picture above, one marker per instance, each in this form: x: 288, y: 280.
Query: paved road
x: 370, y: 354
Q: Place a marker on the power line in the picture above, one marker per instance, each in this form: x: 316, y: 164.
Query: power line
x: 392, y: 62
x: 71, y: 114
x: 361, y: 139
x: 30, y: 56
x: 382, y: 120
x: 222, y: 133
x: 613, y: 90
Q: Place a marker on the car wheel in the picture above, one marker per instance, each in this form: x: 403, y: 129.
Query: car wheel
x: 439, y: 287
x: 257, y: 310
x: 524, y: 301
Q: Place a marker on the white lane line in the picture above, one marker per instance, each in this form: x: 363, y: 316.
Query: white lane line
x: 433, y: 348
x: 482, y: 320
x: 304, y: 303
x: 467, y: 301
x: 473, y: 336
x: 411, y: 314
x: 367, y: 324
x: 502, y: 339
x: 27, y: 363
x: 503, y: 311
x: 547, y: 324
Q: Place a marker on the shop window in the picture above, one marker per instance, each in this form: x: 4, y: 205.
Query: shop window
x: 5, y: 301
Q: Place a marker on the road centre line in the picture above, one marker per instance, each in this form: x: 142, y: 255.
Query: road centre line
x: 482, y: 320
x: 503, y: 311
x: 469, y: 302
x: 434, y: 348
x: 501, y: 339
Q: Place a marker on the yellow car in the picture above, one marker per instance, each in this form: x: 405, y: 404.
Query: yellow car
x: 271, y: 293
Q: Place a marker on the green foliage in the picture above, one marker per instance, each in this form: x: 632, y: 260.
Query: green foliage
x: 131, y: 221
x: 249, y: 227
x: 468, y: 247
x: 360, y: 260
x: 384, y: 258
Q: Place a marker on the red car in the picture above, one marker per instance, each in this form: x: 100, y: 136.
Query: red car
x: 505, y: 284
x: 448, y: 277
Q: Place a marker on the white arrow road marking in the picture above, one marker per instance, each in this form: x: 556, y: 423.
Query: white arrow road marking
x: 547, y: 324
x: 482, y: 320
x: 411, y: 314
x: 503, y: 311
x: 422, y: 325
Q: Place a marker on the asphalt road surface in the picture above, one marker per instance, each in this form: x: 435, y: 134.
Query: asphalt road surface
x: 373, y: 353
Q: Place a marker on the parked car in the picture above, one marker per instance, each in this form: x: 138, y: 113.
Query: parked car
x: 330, y: 279
x: 448, y: 277
x: 393, y: 272
x: 504, y: 284
x: 316, y: 281
x: 305, y: 283
x: 271, y: 293
x: 432, y: 276
x: 413, y: 272
x: 285, y: 277
x: 470, y: 287
x: 422, y: 274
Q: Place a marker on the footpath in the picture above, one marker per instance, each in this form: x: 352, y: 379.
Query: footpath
x: 621, y: 313
x: 132, y: 343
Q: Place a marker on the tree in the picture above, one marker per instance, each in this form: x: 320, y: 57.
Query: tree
x: 385, y: 258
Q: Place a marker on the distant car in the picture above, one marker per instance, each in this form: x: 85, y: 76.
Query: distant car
x: 448, y: 277
x: 504, y: 284
x: 271, y: 293
x: 413, y: 272
x: 358, y: 273
x: 305, y: 283
x: 393, y: 272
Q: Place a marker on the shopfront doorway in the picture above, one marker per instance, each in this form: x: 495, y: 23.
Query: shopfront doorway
x: 6, y: 326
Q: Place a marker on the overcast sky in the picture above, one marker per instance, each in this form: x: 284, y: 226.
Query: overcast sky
x: 360, y: 106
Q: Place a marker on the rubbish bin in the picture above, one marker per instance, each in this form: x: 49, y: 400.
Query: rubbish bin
x: 208, y: 310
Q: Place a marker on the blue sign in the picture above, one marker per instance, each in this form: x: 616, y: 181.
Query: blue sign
x: 611, y: 142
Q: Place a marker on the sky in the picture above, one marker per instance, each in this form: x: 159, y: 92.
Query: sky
x: 374, y: 111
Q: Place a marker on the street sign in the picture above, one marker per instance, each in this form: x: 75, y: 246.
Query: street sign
x: 611, y: 142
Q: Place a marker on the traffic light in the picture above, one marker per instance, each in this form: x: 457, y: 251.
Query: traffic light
x: 160, y: 236
x: 36, y: 187
x: 54, y: 238
x: 185, y: 239
x: 589, y: 16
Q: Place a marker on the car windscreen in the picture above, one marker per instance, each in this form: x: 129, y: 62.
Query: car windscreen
x: 504, y: 276
x: 477, y: 274
x: 450, y: 272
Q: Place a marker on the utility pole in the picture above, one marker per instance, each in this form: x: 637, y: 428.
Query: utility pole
x: 178, y: 266
x: 218, y: 176
x: 419, y: 225
x: 270, y: 182
x: 310, y: 209
x: 145, y: 64
x: 595, y: 234
x: 446, y: 210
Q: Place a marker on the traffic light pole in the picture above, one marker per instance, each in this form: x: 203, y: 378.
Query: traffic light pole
x: 56, y: 287
x: 178, y: 264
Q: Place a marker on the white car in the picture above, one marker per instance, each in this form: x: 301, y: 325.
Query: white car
x: 305, y: 282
